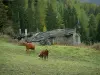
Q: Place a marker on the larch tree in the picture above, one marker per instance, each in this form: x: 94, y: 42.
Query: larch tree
x: 42, y: 5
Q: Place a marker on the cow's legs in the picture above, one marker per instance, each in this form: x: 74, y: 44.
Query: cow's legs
x: 44, y: 57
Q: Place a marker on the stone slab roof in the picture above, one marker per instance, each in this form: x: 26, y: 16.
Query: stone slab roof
x: 54, y: 33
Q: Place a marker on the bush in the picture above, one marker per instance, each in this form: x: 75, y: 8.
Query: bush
x: 9, y: 31
x: 4, y: 37
x: 96, y: 46
x: 7, y: 38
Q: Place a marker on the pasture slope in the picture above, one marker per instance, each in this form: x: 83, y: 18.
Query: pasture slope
x: 63, y: 60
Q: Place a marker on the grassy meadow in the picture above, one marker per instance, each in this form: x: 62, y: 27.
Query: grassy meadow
x: 63, y: 60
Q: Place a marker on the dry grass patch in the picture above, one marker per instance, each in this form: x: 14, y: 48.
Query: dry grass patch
x: 96, y: 46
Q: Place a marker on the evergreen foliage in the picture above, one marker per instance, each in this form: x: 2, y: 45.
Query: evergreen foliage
x: 3, y: 16
x: 51, y: 20
x: 98, y: 31
x: 92, y: 29
x: 45, y: 15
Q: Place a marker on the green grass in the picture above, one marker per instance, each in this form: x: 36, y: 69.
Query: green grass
x: 63, y: 60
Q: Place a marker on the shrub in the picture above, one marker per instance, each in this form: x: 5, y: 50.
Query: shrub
x: 96, y: 46
x: 7, y: 38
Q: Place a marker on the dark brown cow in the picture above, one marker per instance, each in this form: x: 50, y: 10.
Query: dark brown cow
x: 29, y: 46
x: 44, y: 54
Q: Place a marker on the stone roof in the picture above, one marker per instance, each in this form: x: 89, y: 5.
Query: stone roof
x: 61, y: 32
x: 54, y: 33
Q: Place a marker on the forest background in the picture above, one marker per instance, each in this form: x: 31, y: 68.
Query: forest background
x: 46, y: 15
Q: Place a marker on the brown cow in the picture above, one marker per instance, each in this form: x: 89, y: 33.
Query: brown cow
x: 44, y: 54
x: 29, y: 46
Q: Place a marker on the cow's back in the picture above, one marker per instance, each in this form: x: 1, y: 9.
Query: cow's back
x: 30, y: 46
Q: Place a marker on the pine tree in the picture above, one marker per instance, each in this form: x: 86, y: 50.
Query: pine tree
x: 3, y: 16
x: 70, y: 17
x: 98, y: 31
x: 84, y: 26
x: 30, y: 19
x: 21, y: 7
x: 18, y: 15
x: 59, y: 13
x: 36, y: 15
x: 74, y: 18
x: 66, y: 17
x: 92, y: 29
x: 51, y: 20
x: 97, y: 10
x: 15, y: 16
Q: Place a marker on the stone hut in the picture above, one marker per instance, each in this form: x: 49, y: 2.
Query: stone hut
x: 57, y: 36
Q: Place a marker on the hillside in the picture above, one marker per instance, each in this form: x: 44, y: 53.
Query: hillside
x: 63, y: 60
x: 91, y: 1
